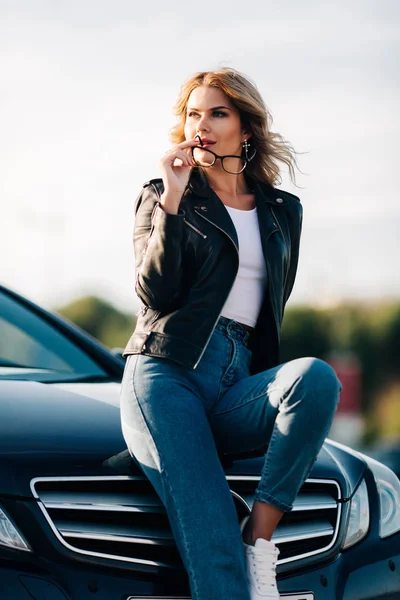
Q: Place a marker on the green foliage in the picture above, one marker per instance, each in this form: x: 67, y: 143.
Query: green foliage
x: 383, y: 419
x: 370, y: 331
x: 388, y: 341
x: 99, y: 318
x: 305, y: 332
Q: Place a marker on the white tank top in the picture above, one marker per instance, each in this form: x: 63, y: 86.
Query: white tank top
x: 244, y: 301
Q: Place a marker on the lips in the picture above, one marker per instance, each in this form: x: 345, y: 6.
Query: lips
x: 206, y: 142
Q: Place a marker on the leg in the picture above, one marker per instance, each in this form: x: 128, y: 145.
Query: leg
x: 290, y: 408
x: 166, y: 428
x: 262, y: 523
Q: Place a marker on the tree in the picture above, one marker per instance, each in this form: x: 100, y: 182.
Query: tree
x: 305, y: 332
x: 99, y: 318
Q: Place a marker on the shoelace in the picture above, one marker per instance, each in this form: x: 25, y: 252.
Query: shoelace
x: 265, y: 568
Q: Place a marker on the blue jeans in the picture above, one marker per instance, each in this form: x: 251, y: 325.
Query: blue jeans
x: 176, y: 421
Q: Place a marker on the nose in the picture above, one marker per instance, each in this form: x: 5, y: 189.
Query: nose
x: 202, y: 124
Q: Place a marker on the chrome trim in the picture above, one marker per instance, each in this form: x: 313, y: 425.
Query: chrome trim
x: 289, y: 596
x: 114, y: 538
x: 86, y: 478
x: 319, y: 531
x: 241, y: 499
x: 321, y: 506
x: 299, y: 504
x: 139, y: 561
x: 338, y: 517
x: 111, y: 498
x: 241, y: 478
x: 114, y: 531
x: 337, y: 525
x: 102, y: 507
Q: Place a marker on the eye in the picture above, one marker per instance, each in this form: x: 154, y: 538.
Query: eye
x: 219, y: 113
x: 192, y: 113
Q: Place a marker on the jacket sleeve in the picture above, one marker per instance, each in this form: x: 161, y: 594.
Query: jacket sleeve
x: 157, y: 241
x: 294, y: 251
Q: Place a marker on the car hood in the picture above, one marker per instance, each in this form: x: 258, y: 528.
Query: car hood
x: 74, y: 429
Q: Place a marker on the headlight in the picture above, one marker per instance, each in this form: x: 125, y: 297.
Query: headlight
x: 358, y: 525
x: 9, y: 534
x: 389, y: 495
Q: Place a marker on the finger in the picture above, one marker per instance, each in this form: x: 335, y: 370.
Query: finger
x: 170, y: 157
x: 190, y: 156
x: 178, y: 162
x: 189, y: 143
x: 185, y: 157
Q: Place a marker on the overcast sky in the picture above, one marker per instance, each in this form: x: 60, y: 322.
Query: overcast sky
x: 87, y: 89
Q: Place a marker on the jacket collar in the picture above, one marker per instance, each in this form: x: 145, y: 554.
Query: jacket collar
x: 210, y: 207
x: 198, y: 185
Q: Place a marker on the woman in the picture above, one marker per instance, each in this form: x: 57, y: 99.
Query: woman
x: 216, y: 248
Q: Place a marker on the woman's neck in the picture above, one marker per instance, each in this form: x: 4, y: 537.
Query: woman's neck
x: 232, y: 185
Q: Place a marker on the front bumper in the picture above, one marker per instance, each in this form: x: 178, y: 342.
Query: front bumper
x: 369, y: 570
x: 354, y: 575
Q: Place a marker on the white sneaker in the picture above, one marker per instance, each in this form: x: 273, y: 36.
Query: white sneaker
x: 261, y: 569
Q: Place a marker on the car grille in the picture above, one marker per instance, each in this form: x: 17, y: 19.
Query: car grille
x: 122, y: 517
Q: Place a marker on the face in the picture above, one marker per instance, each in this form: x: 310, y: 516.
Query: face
x: 211, y: 114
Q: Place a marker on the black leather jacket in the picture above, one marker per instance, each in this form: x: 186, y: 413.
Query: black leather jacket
x: 186, y: 265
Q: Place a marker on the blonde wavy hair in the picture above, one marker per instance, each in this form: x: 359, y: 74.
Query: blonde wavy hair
x: 271, y: 147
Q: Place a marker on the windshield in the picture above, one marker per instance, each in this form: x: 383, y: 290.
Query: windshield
x: 32, y: 349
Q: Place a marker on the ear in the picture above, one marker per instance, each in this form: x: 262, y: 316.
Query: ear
x: 246, y: 136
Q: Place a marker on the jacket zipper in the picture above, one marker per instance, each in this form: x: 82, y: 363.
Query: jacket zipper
x: 288, y: 247
x: 203, y: 235
x: 237, y: 251
x: 269, y: 280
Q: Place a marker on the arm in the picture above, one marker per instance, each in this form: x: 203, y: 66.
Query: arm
x: 157, y: 242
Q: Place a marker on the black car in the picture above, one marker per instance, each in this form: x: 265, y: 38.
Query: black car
x: 388, y: 452
x: 79, y: 520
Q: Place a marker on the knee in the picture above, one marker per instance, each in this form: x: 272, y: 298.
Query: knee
x: 322, y: 379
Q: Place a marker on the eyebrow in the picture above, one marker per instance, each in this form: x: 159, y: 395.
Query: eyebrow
x: 214, y: 108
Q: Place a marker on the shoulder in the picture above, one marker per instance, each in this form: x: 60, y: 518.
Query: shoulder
x: 286, y: 201
x: 156, y: 184
x: 277, y: 195
x: 288, y: 206
x: 150, y: 193
x: 287, y: 195
x: 292, y: 203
